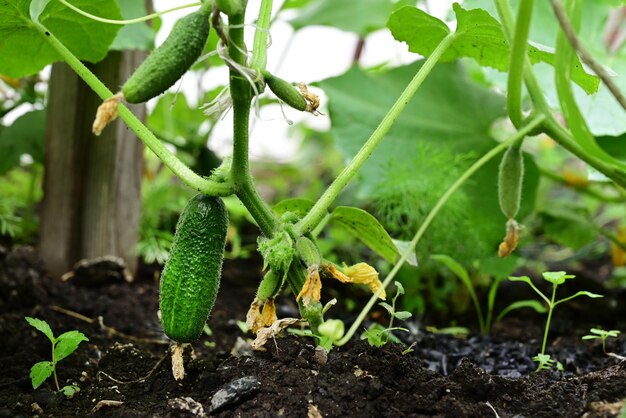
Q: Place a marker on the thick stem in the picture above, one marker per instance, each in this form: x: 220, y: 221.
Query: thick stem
x: 318, y: 211
x: 517, y: 62
x: 190, y: 178
x: 241, y: 93
x: 534, y: 123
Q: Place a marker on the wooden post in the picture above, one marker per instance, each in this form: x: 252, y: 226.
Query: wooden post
x: 92, y: 185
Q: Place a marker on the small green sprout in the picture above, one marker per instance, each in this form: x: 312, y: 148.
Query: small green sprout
x: 600, y: 334
x: 546, y: 362
x: 330, y: 331
x: 377, y: 335
x: 557, y: 278
x: 62, y: 346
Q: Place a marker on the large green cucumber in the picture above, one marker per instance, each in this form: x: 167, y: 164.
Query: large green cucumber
x: 171, y: 60
x: 191, y: 277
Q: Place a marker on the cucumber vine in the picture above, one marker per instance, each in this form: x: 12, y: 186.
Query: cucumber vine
x: 248, y: 76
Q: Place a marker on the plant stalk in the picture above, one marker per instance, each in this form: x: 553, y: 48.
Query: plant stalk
x: 534, y: 123
x: 259, y: 51
x: 319, y: 210
x: 518, y: 61
x: 550, y: 309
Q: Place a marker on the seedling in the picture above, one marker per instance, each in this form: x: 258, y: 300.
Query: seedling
x: 603, y: 335
x: 62, y: 346
x: 557, y: 278
x: 378, y: 335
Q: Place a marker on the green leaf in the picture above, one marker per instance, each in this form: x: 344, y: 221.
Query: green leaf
x: 174, y: 121
x: 478, y: 36
x: 521, y: 304
x: 370, y: 15
x: 402, y: 246
x: 557, y: 277
x: 387, y: 307
x: 366, y: 228
x: 296, y: 205
x: 577, y: 294
x: 402, y: 315
x: 399, y: 287
x: 41, y: 326
x: 70, y: 390
x: 568, y: 226
x: 24, y: 50
x: 40, y: 372
x: 375, y: 335
x: 138, y: 35
x: 24, y: 136
x: 67, y: 343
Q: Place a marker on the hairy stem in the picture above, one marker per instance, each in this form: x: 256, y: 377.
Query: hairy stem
x: 318, y: 211
x: 241, y: 93
x: 518, y: 61
x: 181, y: 170
x: 534, y: 123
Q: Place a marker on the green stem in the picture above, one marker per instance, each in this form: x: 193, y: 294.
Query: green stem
x: 54, y: 369
x: 534, y: 123
x: 190, y: 178
x: 532, y: 85
x: 259, y: 51
x: 518, y: 59
x: 550, y: 309
x: 241, y: 93
x: 318, y: 211
x: 128, y: 21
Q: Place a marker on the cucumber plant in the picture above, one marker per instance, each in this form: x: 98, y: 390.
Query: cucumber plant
x: 289, y: 247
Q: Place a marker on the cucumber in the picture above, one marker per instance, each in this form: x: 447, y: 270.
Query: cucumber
x: 510, y: 180
x: 191, y: 277
x: 171, y: 60
x: 285, y: 91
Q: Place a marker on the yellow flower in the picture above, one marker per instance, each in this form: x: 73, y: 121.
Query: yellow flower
x: 312, y: 288
x: 511, y: 239
x: 360, y: 273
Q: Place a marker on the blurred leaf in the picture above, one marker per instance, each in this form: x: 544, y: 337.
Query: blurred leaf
x: 370, y: 15
x: 138, y: 35
x: 174, y: 121
x: 402, y: 246
x: 296, y: 205
x: 366, y: 228
x: 402, y: 315
x: 24, y: 136
x: 478, y: 35
x: 568, y: 227
x: 24, y: 50
x: 521, y: 304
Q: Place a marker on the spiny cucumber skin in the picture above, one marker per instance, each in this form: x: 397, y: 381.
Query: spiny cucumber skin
x: 285, y: 91
x: 167, y: 64
x: 191, y: 277
x: 270, y: 285
x: 510, y: 180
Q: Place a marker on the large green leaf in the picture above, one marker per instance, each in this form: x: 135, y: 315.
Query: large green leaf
x: 449, y: 114
x: 24, y: 136
x: 361, y: 18
x: 366, y: 228
x: 478, y: 36
x: 24, y: 50
x: 138, y: 35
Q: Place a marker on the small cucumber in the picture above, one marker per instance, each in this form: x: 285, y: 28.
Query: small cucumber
x: 171, y: 60
x: 285, y: 91
x: 191, y: 277
x: 510, y: 179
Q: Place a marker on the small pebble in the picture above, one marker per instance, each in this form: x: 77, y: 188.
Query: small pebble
x: 234, y: 392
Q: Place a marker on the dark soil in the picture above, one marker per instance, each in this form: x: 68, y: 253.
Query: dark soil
x: 126, y: 360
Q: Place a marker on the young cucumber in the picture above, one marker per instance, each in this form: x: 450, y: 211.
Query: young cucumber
x: 171, y: 60
x: 285, y: 91
x: 191, y: 276
x: 510, y: 180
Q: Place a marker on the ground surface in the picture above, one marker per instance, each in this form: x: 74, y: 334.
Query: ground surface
x: 125, y: 361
